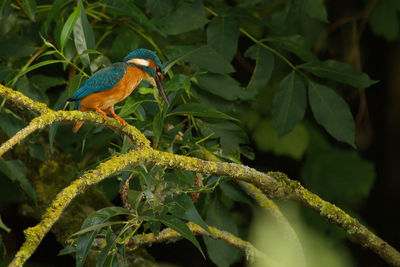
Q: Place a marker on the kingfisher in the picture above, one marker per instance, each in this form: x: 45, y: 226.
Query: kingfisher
x: 114, y: 83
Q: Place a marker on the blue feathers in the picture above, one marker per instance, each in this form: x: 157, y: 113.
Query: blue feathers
x: 103, y: 80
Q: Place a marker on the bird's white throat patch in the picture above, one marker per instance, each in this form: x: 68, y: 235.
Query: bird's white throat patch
x: 139, y: 61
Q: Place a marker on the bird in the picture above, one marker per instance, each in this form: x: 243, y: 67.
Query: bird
x: 112, y: 84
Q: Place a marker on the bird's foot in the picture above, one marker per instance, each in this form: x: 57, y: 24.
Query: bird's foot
x: 118, y: 118
x: 102, y: 113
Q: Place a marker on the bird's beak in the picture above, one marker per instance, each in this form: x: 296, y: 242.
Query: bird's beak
x: 160, y: 87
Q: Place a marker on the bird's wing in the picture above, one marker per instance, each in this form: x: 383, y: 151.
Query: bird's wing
x: 102, y: 80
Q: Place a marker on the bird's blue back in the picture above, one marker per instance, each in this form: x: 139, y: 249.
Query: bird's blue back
x: 102, y: 80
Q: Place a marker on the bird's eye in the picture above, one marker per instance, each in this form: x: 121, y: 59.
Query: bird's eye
x: 158, y: 69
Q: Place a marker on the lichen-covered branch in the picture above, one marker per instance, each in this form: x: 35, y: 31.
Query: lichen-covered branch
x: 168, y: 234
x: 275, y: 185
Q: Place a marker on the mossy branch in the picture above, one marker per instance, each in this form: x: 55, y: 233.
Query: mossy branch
x: 274, y: 184
x: 250, y: 251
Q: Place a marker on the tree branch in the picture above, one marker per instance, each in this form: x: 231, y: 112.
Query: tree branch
x: 251, y: 252
x: 274, y: 184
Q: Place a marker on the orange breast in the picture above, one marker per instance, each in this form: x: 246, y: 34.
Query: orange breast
x: 107, y: 99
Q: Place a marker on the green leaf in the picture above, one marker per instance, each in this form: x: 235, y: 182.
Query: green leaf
x: 69, y: 26
x: 234, y: 193
x: 16, y: 170
x: 222, y: 35
x: 4, y: 227
x: 9, y: 124
x: 219, y: 252
x: 230, y: 134
x: 188, y: 15
x: 338, y: 175
x: 44, y: 82
x: 67, y: 250
x: 5, y: 72
x: 339, y: 71
x: 262, y: 72
x: 56, y: 7
x: 199, y: 110
x: 314, y: 8
x: 293, y: 144
x: 159, y: 8
x: 111, y: 238
x: 203, y: 56
x: 85, y: 241
x: 182, y: 207
x: 37, y: 151
x: 289, y: 104
x: 296, y: 44
x: 17, y: 47
x: 384, y: 20
x: 83, y: 35
x: 30, y: 8
x: 332, y: 112
x: 27, y: 89
x: 179, y: 81
x: 38, y: 65
x: 221, y: 85
x: 128, y: 8
x: 158, y: 125
x: 179, y: 226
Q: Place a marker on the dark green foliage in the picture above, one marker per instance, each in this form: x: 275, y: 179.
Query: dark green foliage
x: 233, y: 71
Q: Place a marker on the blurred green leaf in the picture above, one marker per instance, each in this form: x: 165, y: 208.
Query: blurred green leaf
x: 222, y: 35
x: 9, y: 124
x: 222, y: 254
x: 44, y: 82
x: 128, y: 8
x: 159, y: 8
x: 16, y: 170
x: 332, y: 112
x: 83, y: 35
x: 296, y: 44
x: 262, y: 72
x: 182, y: 207
x: 134, y: 198
x: 221, y: 85
x: 339, y: 71
x: 179, y: 81
x: 4, y: 227
x: 14, y: 46
x: 69, y: 26
x: 30, y: 9
x: 293, y: 144
x: 54, y: 12
x: 37, y: 65
x: 199, y: 110
x: 314, y: 8
x: 37, y: 151
x: 289, y: 104
x: 158, y: 125
x: 203, y: 56
x: 124, y: 42
x: 384, y: 19
x: 23, y: 85
x: 5, y: 72
x: 338, y: 175
x: 67, y: 250
x: 187, y: 16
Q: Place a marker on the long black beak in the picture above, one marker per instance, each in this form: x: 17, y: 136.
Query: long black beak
x: 161, y: 89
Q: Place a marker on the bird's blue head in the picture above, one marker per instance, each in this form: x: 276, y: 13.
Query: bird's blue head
x: 146, y: 60
x: 149, y: 62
